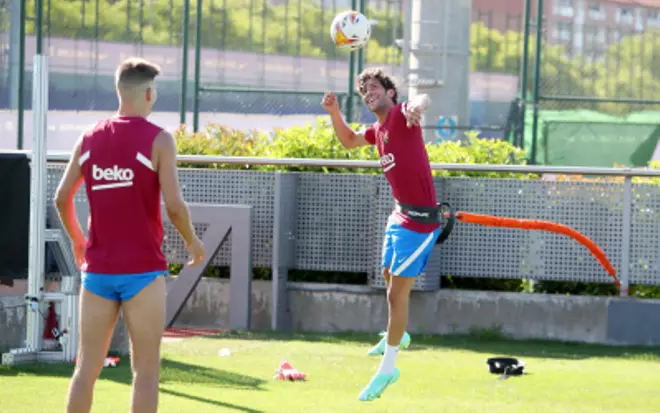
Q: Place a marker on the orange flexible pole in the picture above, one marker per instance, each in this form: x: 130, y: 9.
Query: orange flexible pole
x: 534, y: 224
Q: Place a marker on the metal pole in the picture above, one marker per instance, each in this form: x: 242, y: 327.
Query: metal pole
x: 625, y: 240
x: 37, y: 197
x: 21, y: 76
x: 360, y: 58
x: 39, y: 25
x: 591, y: 99
x: 198, y: 47
x: 537, y: 80
x: 184, y: 63
x: 361, y: 51
x: 14, y: 46
x: 351, y: 78
x: 59, y: 157
x: 406, y: 10
x: 523, y: 74
x: 38, y: 183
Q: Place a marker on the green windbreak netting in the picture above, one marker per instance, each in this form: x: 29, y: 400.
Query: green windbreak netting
x: 587, y: 138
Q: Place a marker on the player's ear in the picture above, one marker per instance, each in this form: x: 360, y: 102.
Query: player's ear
x: 150, y: 94
x: 153, y: 94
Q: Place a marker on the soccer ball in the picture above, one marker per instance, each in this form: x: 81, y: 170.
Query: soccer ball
x: 350, y: 30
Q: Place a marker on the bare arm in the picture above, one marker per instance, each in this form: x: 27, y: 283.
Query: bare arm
x: 347, y: 136
x: 164, y: 160
x: 64, y: 195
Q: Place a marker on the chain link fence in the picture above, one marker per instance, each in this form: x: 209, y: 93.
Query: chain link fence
x: 600, y: 66
x: 246, y: 46
x: 281, y: 48
x: 496, y: 46
x: 599, y: 87
x: 265, y: 56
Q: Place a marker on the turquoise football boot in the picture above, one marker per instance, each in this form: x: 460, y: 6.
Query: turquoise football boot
x: 379, y: 349
x: 378, y: 384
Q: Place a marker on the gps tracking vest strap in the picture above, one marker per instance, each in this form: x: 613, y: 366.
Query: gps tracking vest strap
x: 442, y: 214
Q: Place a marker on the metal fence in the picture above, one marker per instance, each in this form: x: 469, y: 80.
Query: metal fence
x: 597, y: 64
x: 585, y: 63
x: 340, y: 220
x: 85, y: 41
x: 589, y: 66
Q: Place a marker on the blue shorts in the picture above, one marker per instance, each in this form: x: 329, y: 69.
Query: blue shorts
x: 407, y: 252
x: 118, y: 287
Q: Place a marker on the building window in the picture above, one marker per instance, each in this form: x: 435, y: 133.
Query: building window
x: 596, y: 11
x: 595, y: 35
x: 564, y: 8
x: 624, y: 15
x: 563, y: 31
x: 653, y: 18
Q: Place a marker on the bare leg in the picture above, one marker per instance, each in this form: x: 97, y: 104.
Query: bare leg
x: 398, y: 293
x: 97, y: 320
x: 379, y: 348
x: 398, y: 298
x: 145, y: 319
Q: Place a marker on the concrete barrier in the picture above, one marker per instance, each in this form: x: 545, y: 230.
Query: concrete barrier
x: 585, y: 319
x: 604, y: 320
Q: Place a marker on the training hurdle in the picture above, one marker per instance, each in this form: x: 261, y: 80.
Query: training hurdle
x: 222, y: 221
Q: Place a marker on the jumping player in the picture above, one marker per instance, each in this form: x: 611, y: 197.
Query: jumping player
x: 409, y: 237
x: 126, y: 163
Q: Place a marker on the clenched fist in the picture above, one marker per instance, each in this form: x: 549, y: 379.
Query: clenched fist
x: 329, y: 103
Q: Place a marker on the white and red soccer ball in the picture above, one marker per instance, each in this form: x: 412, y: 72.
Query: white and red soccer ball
x: 350, y: 30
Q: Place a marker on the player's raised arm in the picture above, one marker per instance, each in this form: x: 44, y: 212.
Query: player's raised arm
x: 347, y: 136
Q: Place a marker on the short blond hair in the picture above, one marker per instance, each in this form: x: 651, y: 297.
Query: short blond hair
x: 135, y: 72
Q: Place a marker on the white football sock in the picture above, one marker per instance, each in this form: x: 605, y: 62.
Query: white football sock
x: 387, y: 363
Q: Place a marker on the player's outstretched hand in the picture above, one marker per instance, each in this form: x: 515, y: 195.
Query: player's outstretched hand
x: 413, y: 114
x: 197, y: 252
x: 329, y: 102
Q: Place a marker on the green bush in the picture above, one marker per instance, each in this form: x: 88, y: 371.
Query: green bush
x: 318, y: 141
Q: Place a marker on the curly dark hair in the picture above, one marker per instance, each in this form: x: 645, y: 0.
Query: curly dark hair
x: 377, y: 73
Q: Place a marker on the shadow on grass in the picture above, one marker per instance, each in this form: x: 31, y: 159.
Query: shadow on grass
x: 209, y: 401
x: 172, y: 372
x: 543, y: 349
x: 488, y: 343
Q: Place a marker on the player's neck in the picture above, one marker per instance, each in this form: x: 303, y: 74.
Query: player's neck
x: 131, y: 112
x: 381, y: 116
